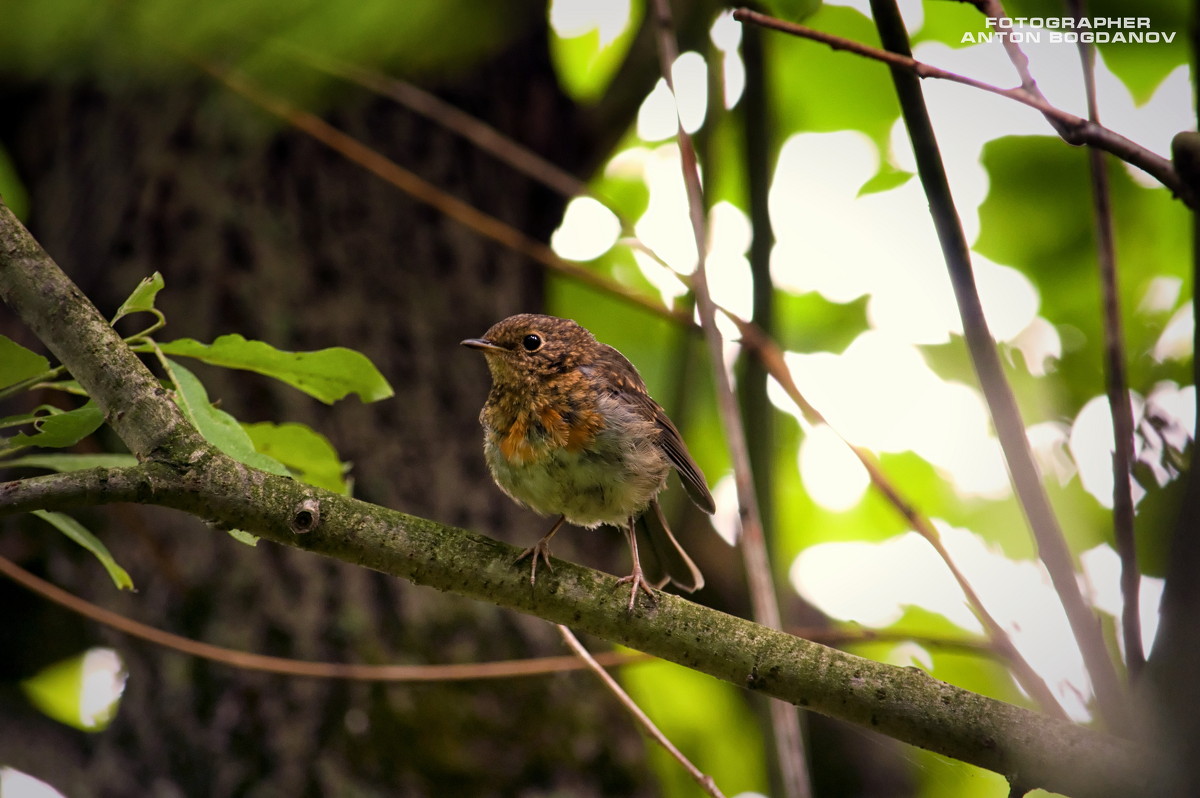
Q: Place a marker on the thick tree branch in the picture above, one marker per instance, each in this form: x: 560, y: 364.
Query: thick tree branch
x: 905, y: 703
x: 133, y: 401
x: 183, y: 472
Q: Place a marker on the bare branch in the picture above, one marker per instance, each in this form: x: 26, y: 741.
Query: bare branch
x: 1010, y: 429
x: 785, y: 720
x: 1116, y: 383
x: 1074, y: 129
x: 704, y: 780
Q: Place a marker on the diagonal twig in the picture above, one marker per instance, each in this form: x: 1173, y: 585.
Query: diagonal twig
x: 504, y: 669
x: 785, y: 718
x: 771, y: 356
x: 587, y: 658
x: 423, y: 191
x: 1116, y: 382
x: 1010, y: 429
x: 994, y: 9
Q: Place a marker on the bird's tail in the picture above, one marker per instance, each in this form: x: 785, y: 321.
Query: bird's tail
x: 671, y: 563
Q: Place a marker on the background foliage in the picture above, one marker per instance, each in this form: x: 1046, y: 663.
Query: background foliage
x: 1034, y: 226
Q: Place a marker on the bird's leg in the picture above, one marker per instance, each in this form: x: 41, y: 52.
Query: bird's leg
x: 636, y: 580
x: 541, y: 549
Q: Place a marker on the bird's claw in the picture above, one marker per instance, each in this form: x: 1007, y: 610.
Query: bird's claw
x: 539, y: 550
x: 637, y: 582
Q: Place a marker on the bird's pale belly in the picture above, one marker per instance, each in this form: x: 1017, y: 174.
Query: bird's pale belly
x: 605, y: 483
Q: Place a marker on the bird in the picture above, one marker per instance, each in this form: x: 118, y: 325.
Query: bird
x: 571, y: 431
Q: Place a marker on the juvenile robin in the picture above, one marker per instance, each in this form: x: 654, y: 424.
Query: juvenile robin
x: 569, y: 430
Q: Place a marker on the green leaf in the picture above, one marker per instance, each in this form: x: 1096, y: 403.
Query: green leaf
x: 887, y: 179
x: 309, y: 455
x: 218, y: 427
x: 327, y: 374
x: 22, y: 419
x: 71, y: 462
x: 18, y: 363
x: 62, y: 429
x: 1032, y: 219
x: 707, y: 720
x: 828, y: 90
x: 58, y: 691
x: 791, y: 10
x: 626, y: 194
x: 946, y: 21
x: 243, y: 537
x: 585, y: 68
x: 16, y: 197
x: 142, y: 298
x: 78, y: 533
x: 811, y: 323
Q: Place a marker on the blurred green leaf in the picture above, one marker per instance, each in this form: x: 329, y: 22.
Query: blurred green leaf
x: 78, y: 533
x: 811, y: 323
x: 142, y: 298
x: 326, y: 374
x: 309, y: 455
x: 59, y: 430
x: 707, y: 720
x: 828, y: 90
x: 886, y: 179
x: 61, y: 37
x: 12, y: 190
x: 58, y: 692
x: 218, y: 427
x: 18, y: 363
x: 1037, y: 218
x: 243, y: 537
x: 585, y: 68
x: 71, y: 462
x: 626, y: 194
x: 791, y: 10
x: 947, y: 20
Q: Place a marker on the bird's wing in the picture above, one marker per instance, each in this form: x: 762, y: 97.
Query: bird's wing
x: 629, y: 382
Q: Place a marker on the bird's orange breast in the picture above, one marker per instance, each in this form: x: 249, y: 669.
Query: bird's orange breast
x: 534, y: 435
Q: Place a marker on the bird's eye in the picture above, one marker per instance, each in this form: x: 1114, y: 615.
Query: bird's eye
x: 532, y: 342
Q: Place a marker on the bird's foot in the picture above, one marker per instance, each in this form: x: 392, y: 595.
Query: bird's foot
x: 538, y: 551
x: 636, y: 582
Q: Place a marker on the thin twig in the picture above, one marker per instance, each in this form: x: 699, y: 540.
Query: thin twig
x: 703, y: 779
x: 994, y: 9
x: 422, y: 190
x: 1116, y: 382
x: 785, y: 718
x: 1006, y: 417
x: 1079, y: 130
x: 504, y: 669
x: 437, y: 110
x: 771, y: 356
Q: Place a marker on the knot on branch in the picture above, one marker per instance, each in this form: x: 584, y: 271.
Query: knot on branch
x: 306, y: 516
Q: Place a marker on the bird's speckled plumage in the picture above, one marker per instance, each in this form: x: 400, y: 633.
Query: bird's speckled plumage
x: 570, y: 430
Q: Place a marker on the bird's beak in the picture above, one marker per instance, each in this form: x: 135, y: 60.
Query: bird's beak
x: 482, y: 344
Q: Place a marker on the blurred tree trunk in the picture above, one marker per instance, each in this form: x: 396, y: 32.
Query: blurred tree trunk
x: 262, y: 231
